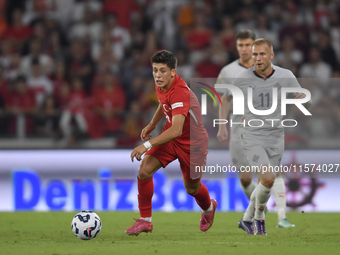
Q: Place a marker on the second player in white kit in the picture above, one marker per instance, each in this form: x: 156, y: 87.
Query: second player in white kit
x: 263, y: 144
x: 244, y: 42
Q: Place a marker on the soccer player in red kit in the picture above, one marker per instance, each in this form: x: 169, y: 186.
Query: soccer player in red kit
x: 183, y: 137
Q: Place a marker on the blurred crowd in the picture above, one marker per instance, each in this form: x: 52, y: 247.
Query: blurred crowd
x: 80, y: 69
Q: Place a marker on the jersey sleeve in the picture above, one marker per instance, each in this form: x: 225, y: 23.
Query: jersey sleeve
x: 292, y: 82
x: 235, y: 82
x: 223, y: 79
x: 180, y: 101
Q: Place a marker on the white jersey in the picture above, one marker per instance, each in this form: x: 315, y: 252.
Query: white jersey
x: 271, y: 132
x: 226, y: 76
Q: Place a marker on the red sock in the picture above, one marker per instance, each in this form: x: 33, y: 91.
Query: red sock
x: 145, y: 193
x: 202, y: 197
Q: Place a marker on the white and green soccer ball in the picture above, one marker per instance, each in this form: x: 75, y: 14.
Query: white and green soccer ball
x: 86, y: 225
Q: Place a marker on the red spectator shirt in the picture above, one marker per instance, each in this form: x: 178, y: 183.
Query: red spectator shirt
x: 208, y: 69
x: 123, y: 9
x: 3, y: 88
x: 23, y: 101
x: 179, y: 99
x: 76, y: 101
x: 19, y: 34
x: 114, y: 99
x: 110, y: 99
x: 198, y: 40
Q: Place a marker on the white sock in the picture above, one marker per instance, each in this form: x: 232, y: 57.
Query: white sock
x: 261, y: 198
x: 279, y: 193
x: 249, y: 189
x: 149, y: 219
x: 249, y: 214
x: 209, y: 209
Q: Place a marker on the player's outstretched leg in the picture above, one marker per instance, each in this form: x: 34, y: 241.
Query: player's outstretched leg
x: 247, y: 185
x: 279, y: 193
x: 145, y: 190
x: 246, y: 222
x: 201, y: 194
x: 146, y: 170
x: 262, y: 196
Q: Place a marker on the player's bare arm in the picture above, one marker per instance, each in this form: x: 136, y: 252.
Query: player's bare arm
x: 173, y: 132
x: 300, y: 96
x: 222, y: 134
x: 146, y: 132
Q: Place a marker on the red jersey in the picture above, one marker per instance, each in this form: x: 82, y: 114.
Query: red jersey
x: 23, y: 101
x: 76, y: 101
x: 208, y: 69
x: 19, y: 34
x: 3, y: 88
x: 198, y: 40
x: 114, y: 99
x: 123, y: 10
x: 179, y: 99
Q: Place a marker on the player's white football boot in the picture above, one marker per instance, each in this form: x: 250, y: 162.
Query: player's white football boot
x: 285, y: 224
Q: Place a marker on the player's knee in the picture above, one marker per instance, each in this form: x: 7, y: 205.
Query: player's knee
x: 267, y: 182
x: 191, y: 190
x: 144, y: 173
x: 245, y: 182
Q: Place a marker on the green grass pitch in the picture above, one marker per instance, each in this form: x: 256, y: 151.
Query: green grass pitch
x: 178, y: 233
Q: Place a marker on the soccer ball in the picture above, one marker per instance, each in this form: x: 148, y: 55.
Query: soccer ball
x: 86, y: 225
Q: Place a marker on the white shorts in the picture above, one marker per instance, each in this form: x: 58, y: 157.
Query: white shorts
x: 258, y: 154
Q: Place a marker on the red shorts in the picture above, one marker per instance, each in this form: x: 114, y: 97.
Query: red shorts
x: 189, y: 158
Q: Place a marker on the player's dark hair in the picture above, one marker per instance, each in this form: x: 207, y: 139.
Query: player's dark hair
x: 165, y: 57
x: 20, y: 78
x: 35, y: 61
x: 110, y: 15
x: 245, y: 34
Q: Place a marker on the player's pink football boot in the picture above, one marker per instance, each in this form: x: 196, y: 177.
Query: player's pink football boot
x: 207, y: 219
x: 139, y: 226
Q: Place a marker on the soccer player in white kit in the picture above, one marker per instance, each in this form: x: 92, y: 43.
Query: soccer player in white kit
x: 244, y: 40
x: 263, y: 144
